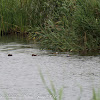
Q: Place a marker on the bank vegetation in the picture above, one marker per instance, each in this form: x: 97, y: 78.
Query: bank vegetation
x: 59, y: 25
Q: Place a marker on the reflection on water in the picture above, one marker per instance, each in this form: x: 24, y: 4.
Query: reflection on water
x: 19, y: 75
x: 89, y: 53
x: 13, y: 38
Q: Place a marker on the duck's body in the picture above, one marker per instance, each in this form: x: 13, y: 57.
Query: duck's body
x: 34, y: 55
x: 68, y: 55
x: 9, y: 54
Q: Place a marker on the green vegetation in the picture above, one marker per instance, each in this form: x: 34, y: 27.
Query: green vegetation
x: 60, y: 25
x: 54, y: 94
x: 96, y: 95
x: 58, y: 95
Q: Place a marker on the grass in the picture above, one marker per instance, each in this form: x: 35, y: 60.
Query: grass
x: 62, y: 25
x: 72, y: 26
x: 58, y: 95
x: 96, y: 95
x: 53, y: 92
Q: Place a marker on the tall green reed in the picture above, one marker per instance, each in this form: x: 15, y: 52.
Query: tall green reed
x: 70, y: 25
x: 60, y: 25
x: 13, y: 16
x: 87, y: 22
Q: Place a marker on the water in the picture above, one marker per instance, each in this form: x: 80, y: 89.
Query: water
x: 20, y: 79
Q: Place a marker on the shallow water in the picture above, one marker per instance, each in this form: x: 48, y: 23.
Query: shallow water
x: 20, y: 79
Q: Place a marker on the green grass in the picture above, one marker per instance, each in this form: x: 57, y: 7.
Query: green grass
x: 58, y: 95
x: 52, y: 91
x: 96, y: 95
x: 59, y: 25
x: 72, y: 26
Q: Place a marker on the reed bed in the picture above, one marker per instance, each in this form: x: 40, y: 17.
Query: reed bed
x: 60, y: 25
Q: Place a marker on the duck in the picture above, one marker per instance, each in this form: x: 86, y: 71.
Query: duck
x: 9, y: 54
x: 34, y: 55
x: 55, y: 53
x: 68, y: 55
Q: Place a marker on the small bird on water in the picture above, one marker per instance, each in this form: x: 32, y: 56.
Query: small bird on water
x: 68, y: 56
x: 9, y: 54
x: 34, y: 55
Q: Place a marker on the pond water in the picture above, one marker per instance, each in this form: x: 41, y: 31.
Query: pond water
x: 20, y: 79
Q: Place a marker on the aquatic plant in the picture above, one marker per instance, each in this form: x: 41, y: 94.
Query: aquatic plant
x: 74, y: 26
x: 54, y: 94
x: 60, y: 25
x: 96, y: 95
x: 87, y: 22
x: 12, y: 16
